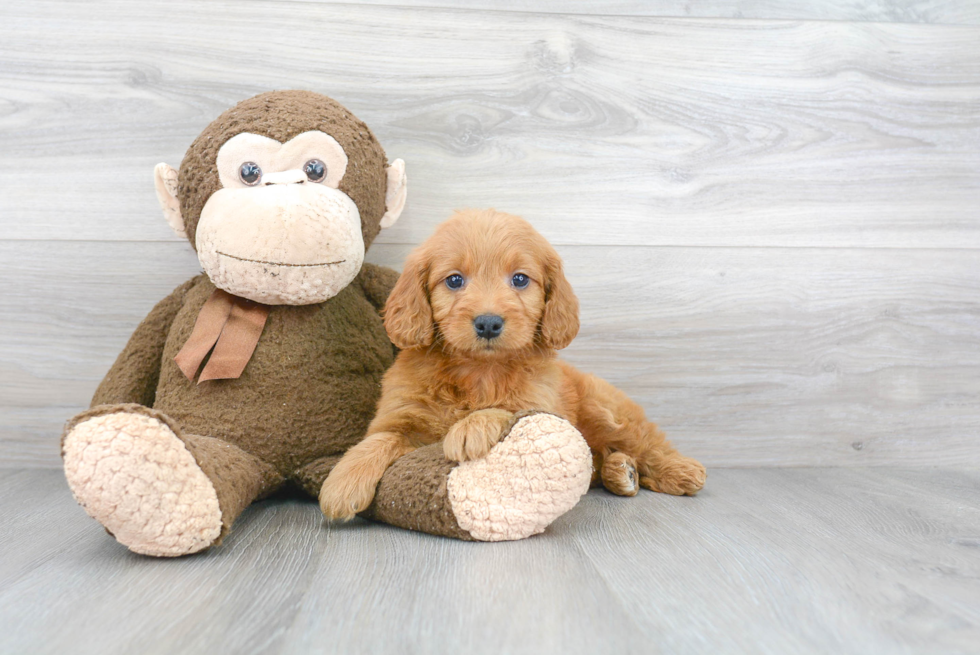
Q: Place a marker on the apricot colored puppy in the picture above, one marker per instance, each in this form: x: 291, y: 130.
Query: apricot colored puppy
x: 479, y: 313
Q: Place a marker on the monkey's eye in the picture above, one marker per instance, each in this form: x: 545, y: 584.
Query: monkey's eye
x: 250, y: 173
x: 520, y: 280
x: 315, y: 170
x: 454, y: 281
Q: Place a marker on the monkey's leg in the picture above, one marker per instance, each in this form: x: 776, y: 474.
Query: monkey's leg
x: 310, y: 477
x: 157, y: 491
x: 538, y: 471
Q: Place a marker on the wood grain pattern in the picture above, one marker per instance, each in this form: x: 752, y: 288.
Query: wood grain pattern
x: 957, y: 12
x: 762, y: 561
x: 607, y: 130
x: 772, y: 224
x: 745, y: 356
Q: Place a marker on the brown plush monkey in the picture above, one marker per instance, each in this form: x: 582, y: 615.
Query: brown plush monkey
x: 263, y: 370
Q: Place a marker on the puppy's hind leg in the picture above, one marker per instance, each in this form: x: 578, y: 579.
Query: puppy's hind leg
x: 612, y: 423
x: 619, y: 474
x: 664, y: 469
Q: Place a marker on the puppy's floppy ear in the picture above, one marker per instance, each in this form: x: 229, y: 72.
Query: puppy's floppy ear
x: 408, y: 314
x: 559, y: 322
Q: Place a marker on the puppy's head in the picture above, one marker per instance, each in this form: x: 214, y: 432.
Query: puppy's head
x: 486, y: 283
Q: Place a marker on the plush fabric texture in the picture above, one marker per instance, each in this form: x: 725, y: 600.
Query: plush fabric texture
x: 314, y: 245
x: 165, y: 181
x: 309, y: 478
x: 396, y: 194
x: 538, y: 471
x: 133, y: 474
x: 377, y: 282
x: 161, y: 456
x: 237, y: 477
x: 413, y: 495
x: 306, y: 395
x: 281, y: 115
x: 134, y: 376
x: 308, y: 391
x: 530, y: 478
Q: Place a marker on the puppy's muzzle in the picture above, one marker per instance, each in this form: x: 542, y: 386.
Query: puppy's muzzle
x: 488, y: 326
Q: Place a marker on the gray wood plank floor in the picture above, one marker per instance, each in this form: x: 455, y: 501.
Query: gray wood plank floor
x: 763, y: 561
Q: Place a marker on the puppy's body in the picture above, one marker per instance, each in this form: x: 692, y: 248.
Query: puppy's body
x: 461, y: 380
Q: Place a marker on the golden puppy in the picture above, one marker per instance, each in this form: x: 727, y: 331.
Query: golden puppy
x: 479, y: 312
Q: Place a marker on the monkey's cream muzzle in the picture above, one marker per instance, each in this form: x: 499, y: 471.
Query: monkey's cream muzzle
x: 280, y: 231
x: 284, y: 242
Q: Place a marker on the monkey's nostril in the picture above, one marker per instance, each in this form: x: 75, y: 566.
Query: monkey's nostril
x: 488, y: 326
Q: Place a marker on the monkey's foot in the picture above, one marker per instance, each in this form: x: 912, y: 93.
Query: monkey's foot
x: 535, y: 474
x: 133, y: 474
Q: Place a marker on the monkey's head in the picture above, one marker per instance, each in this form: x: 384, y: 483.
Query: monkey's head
x: 281, y: 195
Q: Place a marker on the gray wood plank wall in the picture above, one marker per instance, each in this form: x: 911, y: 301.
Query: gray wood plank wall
x: 773, y: 225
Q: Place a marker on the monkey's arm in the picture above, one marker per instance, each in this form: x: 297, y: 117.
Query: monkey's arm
x: 133, y: 377
x: 377, y: 283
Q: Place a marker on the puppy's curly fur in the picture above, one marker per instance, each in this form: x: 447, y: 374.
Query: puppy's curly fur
x: 450, y: 384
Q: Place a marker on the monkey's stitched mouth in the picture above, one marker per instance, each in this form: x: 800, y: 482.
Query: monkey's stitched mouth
x: 260, y: 261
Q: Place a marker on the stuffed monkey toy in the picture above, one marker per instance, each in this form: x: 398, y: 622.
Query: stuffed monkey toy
x: 259, y: 373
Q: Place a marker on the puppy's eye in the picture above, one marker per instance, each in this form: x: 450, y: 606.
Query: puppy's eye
x: 250, y: 173
x: 315, y: 170
x: 454, y: 281
x: 520, y: 280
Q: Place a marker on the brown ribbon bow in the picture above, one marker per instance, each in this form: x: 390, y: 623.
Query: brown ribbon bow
x: 232, y: 327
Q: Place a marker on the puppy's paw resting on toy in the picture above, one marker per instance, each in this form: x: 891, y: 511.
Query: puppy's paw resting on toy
x: 133, y: 474
x: 472, y: 437
x: 349, y: 489
x: 346, y: 492
x: 538, y: 470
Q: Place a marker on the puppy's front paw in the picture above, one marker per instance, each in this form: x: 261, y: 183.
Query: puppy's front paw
x: 678, y: 476
x: 345, y: 493
x: 474, y: 436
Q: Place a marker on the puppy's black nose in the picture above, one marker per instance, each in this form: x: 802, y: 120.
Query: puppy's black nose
x: 488, y: 326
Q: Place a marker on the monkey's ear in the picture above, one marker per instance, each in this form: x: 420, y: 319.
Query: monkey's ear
x: 395, y: 194
x: 165, y: 180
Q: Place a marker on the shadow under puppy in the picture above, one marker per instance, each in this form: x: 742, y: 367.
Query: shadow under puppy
x: 479, y: 312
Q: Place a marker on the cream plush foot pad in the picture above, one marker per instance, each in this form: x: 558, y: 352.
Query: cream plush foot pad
x: 536, y: 474
x: 133, y: 475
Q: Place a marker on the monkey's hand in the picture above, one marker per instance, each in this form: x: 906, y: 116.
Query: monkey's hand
x: 473, y: 436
